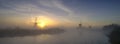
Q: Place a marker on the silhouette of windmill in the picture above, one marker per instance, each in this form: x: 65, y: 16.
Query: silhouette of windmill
x: 80, y: 25
x: 35, y: 22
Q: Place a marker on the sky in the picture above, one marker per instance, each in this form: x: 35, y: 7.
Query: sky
x: 60, y: 12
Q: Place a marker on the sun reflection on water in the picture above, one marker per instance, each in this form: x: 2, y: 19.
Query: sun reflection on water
x: 44, y: 37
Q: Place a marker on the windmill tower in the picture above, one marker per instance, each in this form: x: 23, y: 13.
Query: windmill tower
x: 35, y: 22
x: 80, y: 25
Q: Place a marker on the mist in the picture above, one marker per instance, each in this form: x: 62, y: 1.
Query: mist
x: 81, y: 36
x: 70, y: 36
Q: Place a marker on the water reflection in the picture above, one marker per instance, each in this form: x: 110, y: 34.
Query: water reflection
x: 18, y: 32
x: 43, y: 37
x: 71, y: 36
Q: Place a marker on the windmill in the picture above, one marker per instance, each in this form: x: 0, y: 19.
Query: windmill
x: 35, y: 22
x: 80, y: 25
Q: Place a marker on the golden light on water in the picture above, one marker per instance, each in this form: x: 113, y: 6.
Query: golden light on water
x: 43, y: 37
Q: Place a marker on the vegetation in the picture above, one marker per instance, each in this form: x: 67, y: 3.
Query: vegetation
x: 115, y: 33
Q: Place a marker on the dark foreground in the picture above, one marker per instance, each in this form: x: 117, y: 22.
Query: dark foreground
x: 27, y: 32
x: 114, y: 36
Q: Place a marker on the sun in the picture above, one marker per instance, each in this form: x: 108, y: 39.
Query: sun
x: 41, y: 24
x: 44, y: 22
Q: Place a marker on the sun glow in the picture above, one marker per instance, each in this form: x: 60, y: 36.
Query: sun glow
x: 44, y: 21
x: 41, y: 24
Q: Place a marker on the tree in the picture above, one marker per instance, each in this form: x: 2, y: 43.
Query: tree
x: 115, y: 33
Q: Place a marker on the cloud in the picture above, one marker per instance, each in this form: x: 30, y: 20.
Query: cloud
x: 56, y: 4
x: 63, y: 7
x: 39, y: 8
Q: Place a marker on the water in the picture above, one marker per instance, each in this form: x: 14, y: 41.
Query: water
x: 71, y: 36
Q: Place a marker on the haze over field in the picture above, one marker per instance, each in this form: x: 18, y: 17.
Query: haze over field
x: 59, y: 21
x: 71, y: 36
